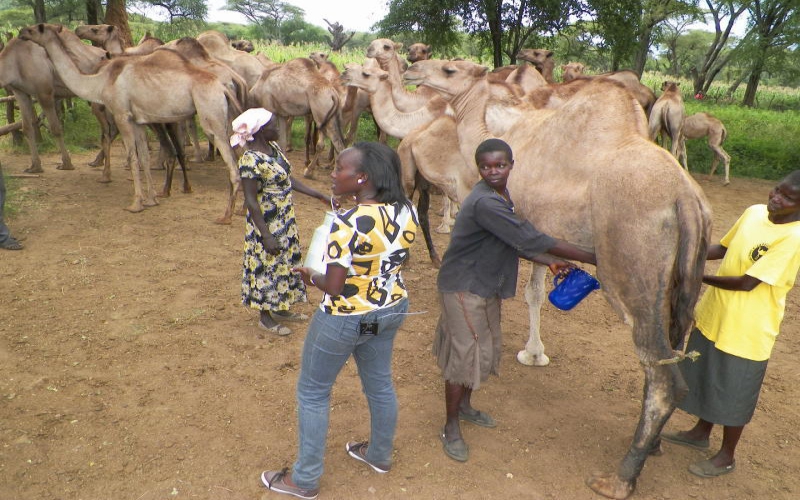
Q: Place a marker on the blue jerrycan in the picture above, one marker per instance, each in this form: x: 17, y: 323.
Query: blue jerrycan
x: 571, y: 287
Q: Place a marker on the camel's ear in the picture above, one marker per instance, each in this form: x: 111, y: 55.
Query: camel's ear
x: 480, y: 71
x: 398, y: 46
x: 549, y: 53
x: 563, y: 67
x: 428, y: 49
x: 383, y: 76
x: 110, y: 29
x: 40, y: 27
x: 59, y: 28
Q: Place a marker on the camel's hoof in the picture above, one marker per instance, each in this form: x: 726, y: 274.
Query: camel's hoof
x: 68, y: 166
x: 151, y: 203
x: 135, y: 208
x: 308, y: 173
x: 95, y: 163
x: 163, y: 194
x: 104, y: 180
x: 34, y: 170
x: 529, y: 359
x: 223, y: 221
x: 187, y: 191
x: 443, y: 229
x: 610, y: 485
x: 725, y: 183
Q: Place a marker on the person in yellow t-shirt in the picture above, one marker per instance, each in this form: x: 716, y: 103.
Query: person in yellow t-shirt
x: 737, y: 321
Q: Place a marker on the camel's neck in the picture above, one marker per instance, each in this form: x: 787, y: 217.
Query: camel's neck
x: 87, y: 87
x: 86, y: 57
x: 547, y: 70
x: 114, y: 46
x: 393, y: 120
x: 470, y: 110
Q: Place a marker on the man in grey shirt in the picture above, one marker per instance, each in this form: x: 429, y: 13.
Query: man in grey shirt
x: 480, y: 269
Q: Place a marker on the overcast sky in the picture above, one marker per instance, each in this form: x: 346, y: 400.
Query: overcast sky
x: 354, y: 15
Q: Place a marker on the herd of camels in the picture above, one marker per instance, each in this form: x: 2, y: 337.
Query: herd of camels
x: 587, y: 168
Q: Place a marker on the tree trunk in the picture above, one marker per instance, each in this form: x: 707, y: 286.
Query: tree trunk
x: 38, y: 12
x: 752, y: 85
x: 94, y: 12
x: 116, y: 15
x: 640, y: 58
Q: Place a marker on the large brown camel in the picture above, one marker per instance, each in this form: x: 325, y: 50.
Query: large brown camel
x: 586, y: 173
x: 297, y: 88
x: 26, y: 70
x: 132, y: 89
x: 701, y: 125
x: 667, y: 117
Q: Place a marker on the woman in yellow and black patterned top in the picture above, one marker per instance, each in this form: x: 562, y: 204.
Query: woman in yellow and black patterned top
x: 365, y: 303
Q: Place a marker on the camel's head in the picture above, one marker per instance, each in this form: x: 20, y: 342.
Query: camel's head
x: 98, y: 33
x: 363, y: 77
x: 318, y: 57
x: 243, y: 45
x: 418, y: 52
x: 383, y: 49
x: 38, y: 32
x: 537, y: 57
x: 571, y: 71
x: 450, y: 78
x: 668, y: 86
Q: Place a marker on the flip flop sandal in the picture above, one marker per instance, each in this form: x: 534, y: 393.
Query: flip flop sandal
x: 277, y: 329
x: 12, y: 245
x: 457, y: 450
x: 481, y: 418
x: 705, y: 468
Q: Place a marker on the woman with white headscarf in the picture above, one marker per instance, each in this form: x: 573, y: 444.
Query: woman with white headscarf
x: 271, y: 246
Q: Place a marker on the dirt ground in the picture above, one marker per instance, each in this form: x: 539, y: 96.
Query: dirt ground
x: 130, y: 370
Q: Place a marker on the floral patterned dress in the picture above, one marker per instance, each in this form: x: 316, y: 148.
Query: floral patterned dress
x: 268, y: 284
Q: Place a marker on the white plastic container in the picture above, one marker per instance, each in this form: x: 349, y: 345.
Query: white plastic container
x: 319, y: 241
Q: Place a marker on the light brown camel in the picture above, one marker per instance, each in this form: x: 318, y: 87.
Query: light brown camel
x: 385, y: 51
x: 132, y: 89
x: 586, y: 173
x: 667, y: 117
x: 27, y: 72
x: 701, y: 125
x: 296, y: 88
x: 418, y: 52
x: 628, y: 78
x: 247, y: 65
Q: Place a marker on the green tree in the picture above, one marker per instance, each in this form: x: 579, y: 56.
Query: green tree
x: 774, y: 27
x: 269, y: 14
x: 177, y: 9
x: 504, y: 26
x: 724, y: 15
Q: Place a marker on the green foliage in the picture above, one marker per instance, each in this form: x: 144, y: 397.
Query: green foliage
x: 12, y: 20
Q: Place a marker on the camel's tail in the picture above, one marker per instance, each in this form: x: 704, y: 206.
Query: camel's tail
x: 333, y: 119
x: 694, y: 222
x: 234, y: 106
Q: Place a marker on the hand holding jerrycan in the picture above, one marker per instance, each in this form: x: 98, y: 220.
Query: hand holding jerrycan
x: 571, y: 287
x: 317, y: 247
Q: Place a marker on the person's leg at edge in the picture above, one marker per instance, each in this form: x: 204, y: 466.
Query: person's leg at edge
x: 453, y: 396
x: 730, y: 438
x: 325, y: 351
x: 374, y: 360
x: 700, y: 432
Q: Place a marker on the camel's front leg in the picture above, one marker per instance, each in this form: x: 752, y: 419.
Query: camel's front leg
x: 533, y: 354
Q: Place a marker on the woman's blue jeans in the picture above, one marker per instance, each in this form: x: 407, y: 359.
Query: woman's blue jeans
x: 329, y: 343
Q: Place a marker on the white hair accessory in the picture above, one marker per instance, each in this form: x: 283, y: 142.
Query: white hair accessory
x: 247, y: 124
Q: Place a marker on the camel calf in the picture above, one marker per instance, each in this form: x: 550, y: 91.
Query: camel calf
x: 667, y: 116
x: 700, y: 125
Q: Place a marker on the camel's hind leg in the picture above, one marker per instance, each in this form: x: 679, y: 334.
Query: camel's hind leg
x: 720, y: 153
x: 533, y: 354
x: 54, y: 124
x: 663, y: 388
